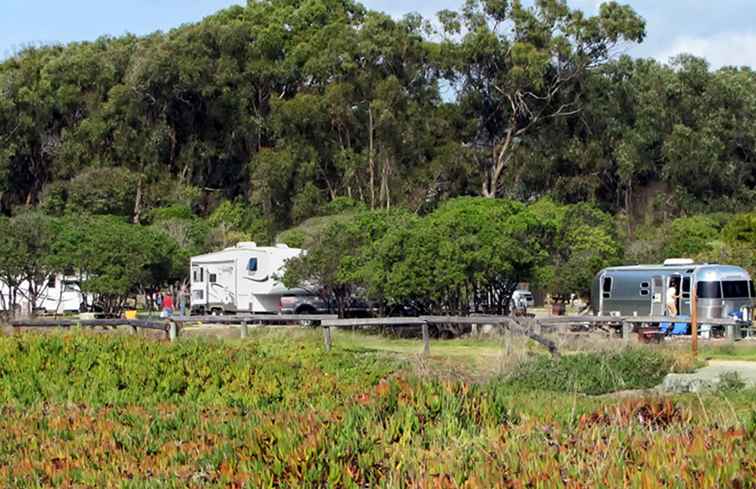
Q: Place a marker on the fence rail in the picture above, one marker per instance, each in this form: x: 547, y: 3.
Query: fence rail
x: 68, y: 323
x: 527, y: 326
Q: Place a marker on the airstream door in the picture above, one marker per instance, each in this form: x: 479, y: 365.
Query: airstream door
x: 685, y: 296
x: 657, y: 295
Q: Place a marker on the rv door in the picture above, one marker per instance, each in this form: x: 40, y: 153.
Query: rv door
x: 685, y: 295
x: 606, y: 283
x: 658, y: 292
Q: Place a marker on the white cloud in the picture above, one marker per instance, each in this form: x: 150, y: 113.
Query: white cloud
x: 724, y: 49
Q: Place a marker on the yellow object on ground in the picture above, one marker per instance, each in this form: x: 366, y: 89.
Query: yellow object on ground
x: 131, y: 314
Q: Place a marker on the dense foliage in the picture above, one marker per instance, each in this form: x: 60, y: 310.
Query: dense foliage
x: 277, y: 412
x: 311, y: 112
x: 290, y: 105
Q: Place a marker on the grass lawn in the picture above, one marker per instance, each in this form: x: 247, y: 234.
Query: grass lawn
x: 740, y: 351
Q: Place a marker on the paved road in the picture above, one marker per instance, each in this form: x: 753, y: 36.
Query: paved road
x: 708, y: 377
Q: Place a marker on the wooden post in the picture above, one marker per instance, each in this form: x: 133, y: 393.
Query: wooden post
x: 627, y: 330
x: 693, y: 319
x: 426, y: 339
x: 327, y: 338
x: 243, y: 332
x: 731, y: 328
x: 172, y: 331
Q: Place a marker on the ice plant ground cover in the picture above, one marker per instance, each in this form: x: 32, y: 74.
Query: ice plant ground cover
x: 276, y: 411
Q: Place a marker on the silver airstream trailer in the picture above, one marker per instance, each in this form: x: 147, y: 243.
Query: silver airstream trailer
x: 641, y: 290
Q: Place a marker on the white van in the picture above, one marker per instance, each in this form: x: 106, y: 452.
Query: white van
x: 519, y: 294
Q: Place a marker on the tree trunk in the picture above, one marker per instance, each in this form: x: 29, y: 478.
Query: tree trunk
x: 385, y: 195
x: 371, y: 160
x: 628, y: 209
x: 500, y: 157
x: 138, y: 202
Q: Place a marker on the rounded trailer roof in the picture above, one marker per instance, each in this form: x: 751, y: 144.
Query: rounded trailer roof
x: 714, y: 273
x: 702, y: 271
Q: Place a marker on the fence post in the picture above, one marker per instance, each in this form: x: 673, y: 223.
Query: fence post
x: 327, y: 340
x: 426, y: 339
x: 172, y: 331
x: 731, y: 333
x: 508, y: 339
x: 627, y: 329
x: 243, y: 332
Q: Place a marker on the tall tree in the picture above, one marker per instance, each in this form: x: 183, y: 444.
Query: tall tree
x: 517, y: 67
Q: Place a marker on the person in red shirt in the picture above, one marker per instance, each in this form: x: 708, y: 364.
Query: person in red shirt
x: 167, y: 305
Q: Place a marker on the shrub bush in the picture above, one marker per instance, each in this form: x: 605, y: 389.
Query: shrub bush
x: 593, y: 373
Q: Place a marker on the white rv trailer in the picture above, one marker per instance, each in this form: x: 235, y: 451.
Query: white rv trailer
x: 5, y: 297
x: 58, y: 295
x: 243, y: 278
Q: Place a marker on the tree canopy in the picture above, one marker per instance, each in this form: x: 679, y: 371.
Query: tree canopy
x: 335, y: 120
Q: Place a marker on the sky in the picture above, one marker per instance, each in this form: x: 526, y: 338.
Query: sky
x: 723, y: 32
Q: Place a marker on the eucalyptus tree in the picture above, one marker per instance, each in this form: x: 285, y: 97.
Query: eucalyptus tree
x: 517, y: 67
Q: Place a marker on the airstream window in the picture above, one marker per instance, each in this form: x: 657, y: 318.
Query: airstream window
x: 735, y: 289
x: 252, y: 265
x: 607, y: 287
x: 644, y: 292
x: 708, y: 290
x: 645, y: 285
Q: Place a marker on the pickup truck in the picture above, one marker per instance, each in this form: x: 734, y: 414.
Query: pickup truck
x: 309, y: 303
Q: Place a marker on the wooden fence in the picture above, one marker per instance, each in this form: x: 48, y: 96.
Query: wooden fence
x: 527, y: 326
x: 170, y: 328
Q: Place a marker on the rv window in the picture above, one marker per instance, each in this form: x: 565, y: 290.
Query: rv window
x: 607, y: 287
x: 735, y: 289
x: 51, y: 282
x: 644, y: 292
x: 212, y: 278
x: 645, y: 285
x: 198, y: 275
x: 708, y: 290
x: 252, y: 265
x: 752, y: 289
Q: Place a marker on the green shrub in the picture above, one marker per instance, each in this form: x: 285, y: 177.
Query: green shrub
x: 731, y: 382
x: 593, y: 373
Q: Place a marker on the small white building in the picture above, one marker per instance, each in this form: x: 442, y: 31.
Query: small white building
x: 243, y: 278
